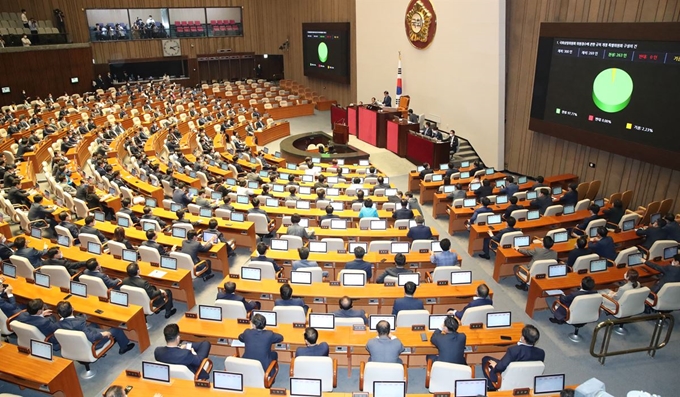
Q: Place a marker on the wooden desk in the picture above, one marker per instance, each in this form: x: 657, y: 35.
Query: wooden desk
x: 440, y: 202
x: 57, y: 377
x: 243, y: 233
x: 562, y: 180
x: 421, y: 149
x: 428, y: 189
x: 217, y: 254
x: 359, y: 234
x: 537, y: 288
x: 184, y: 388
x: 270, y: 134
x: 507, y: 258
x: 374, y: 298
x: 111, y: 316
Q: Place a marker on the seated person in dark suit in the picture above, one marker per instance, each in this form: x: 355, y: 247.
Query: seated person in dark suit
x: 581, y: 249
x: 150, y: 242
x: 229, y: 293
x: 485, y: 190
x: 525, y: 350
x: 579, y: 230
x: 125, y: 209
x: 482, y: 299
x: 56, y: 258
x: 180, y: 353
x: 669, y: 273
x: 602, y: 244
x: 65, y: 219
x: 543, y: 201
x: 513, y: 206
x: 8, y: 303
x: 359, y: 263
x: 39, y: 211
x: 33, y: 255
x: 93, y: 334
x: 38, y: 316
x: 181, y: 195
x: 652, y: 233
x: 93, y: 269
x: 400, y: 262
x: 90, y: 229
x: 148, y: 214
x: 408, y: 302
x: 539, y: 182
x: 157, y: 295
x: 570, y: 197
x: 559, y: 312
x: 510, y: 187
x: 262, y: 250
x: 403, y: 212
x: 346, y: 310
x: 258, y: 342
x: 420, y: 231
x: 212, y: 228
x: 311, y: 347
x: 614, y: 214
x: 287, y: 299
x: 449, y: 343
x: 5, y: 248
x: 480, y: 210
x: 426, y: 170
x: 496, y: 238
x: 191, y: 246
x: 329, y: 214
x: 672, y: 227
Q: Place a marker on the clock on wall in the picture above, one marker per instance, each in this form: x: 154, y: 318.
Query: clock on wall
x: 171, y: 48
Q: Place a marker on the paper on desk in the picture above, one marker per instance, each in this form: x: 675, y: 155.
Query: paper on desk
x: 237, y: 343
x: 553, y: 292
x: 157, y: 274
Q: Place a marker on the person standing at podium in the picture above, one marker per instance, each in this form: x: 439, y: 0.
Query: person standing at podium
x: 387, y: 100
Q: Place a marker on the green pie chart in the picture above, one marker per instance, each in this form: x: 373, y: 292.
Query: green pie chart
x: 612, y: 90
x: 323, y: 52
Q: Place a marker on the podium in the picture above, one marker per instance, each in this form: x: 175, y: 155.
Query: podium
x: 340, y: 134
x: 373, y: 124
x: 397, y: 135
x: 421, y: 149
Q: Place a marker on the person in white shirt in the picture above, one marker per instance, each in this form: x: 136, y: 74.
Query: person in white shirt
x: 150, y: 21
x: 24, y: 18
x: 26, y: 41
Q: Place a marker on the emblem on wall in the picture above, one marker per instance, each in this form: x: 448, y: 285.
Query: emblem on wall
x: 421, y: 23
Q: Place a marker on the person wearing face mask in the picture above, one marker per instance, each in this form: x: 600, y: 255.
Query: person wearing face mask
x: 610, y: 296
x: 56, y: 258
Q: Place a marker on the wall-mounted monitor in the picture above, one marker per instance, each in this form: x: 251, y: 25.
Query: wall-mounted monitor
x: 326, y: 51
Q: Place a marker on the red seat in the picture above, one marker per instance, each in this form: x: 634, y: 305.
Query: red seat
x: 191, y: 23
x: 213, y: 22
x: 197, y: 22
x: 184, y: 23
x: 231, y: 21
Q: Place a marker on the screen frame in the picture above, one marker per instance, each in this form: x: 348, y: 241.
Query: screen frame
x: 337, y: 26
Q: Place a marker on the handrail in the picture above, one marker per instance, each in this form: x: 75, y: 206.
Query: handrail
x: 661, y: 320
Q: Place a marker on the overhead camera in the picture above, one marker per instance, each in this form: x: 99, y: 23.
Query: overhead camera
x: 285, y: 45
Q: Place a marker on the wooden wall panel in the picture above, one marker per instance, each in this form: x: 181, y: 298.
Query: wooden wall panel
x: 45, y: 71
x: 267, y: 24
x: 532, y: 153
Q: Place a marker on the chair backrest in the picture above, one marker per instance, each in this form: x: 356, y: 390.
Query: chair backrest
x: 289, y: 314
x: 540, y: 267
x: 553, y: 210
x: 232, y: 309
x: 24, y: 267
x: 668, y: 298
x: 267, y: 271
x: 180, y: 371
x: 62, y: 231
x: 626, y: 198
x: 443, y: 273
x: 482, y: 217
x: 348, y: 321
x: 593, y: 188
x: 632, y: 302
x: 58, y: 275
x: 184, y: 262
x: 622, y: 256
x: 402, y: 223
x: 387, y: 206
x: 75, y: 346
x: 582, y: 190
x: 86, y: 238
x: 148, y: 254
x: 519, y: 214
x: 26, y: 332
x: 407, y: 318
x: 194, y: 209
x: 260, y: 221
x: 508, y: 238
x: 95, y: 285
x: 294, y: 242
x: 366, y: 222
x: 137, y: 296
x: 374, y: 371
x: 253, y: 373
x: 317, y: 273
x: 376, y: 246
x: 585, y: 309
x: 116, y: 248
x: 627, y: 217
x: 418, y: 245
x: 333, y: 243
x: 315, y: 368
x: 185, y: 226
x: 521, y: 374
x: 582, y: 205
x: 595, y: 223
x: 157, y: 226
x: 659, y: 246
x: 583, y: 262
x: 476, y: 314
x: 4, y: 330
x: 443, y: 376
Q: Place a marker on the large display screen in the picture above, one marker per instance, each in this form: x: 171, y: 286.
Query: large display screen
x: 325, y: 48
x: 609, y: 89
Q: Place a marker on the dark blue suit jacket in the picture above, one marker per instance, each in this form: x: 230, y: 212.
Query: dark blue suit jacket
x: 180, y: 197
x: 263, y: 258
x: 583, y: 225
x: 420, y: 232
x: 519, y: 353
x: 320, y: 350
x: 259, y: 344
x: 605, y: 248
x: 79, y: 324
x: 509, y: 190
x: 652, y: 234
x: 360, y: 264
x: 8, y: 305
x: 451, y: 346
x: 403, y: 213
x: 497, y: 237
x: 474, y: 303
x: 46, y: 325
x: 569, y: 198
x: 291, y: 302
x: 32, y: 254
x: 351, y: 313
x: 235, y: 297
x: 179, y: 356
x: 108, y: 281
x: 407, y: 303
